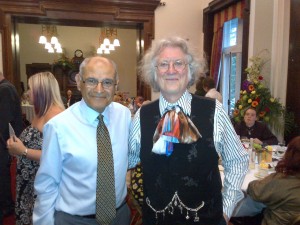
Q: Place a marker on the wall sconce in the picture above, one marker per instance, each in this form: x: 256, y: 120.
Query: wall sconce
x: 108, y: 40
x: 49, y: 32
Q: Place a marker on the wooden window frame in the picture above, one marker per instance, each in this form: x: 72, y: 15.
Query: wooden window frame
x: 208, y: 25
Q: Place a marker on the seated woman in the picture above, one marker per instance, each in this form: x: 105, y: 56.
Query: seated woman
x: 251, y: 128
x: 280, y: 190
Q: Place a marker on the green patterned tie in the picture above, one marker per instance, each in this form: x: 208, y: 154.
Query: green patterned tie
x: 105, y: 194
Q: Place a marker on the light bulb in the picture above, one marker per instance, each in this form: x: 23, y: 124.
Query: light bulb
x: 99, y: 51
x: 106, y: 41
x: 51, y: 50
x: 48, y: 45
x: 102, y: 46
x: 42, y: 39
x: 111, y: 47
x: 116, y: 42
x: 57, y: 45
x: 54, y: 40
x: 59, y: 50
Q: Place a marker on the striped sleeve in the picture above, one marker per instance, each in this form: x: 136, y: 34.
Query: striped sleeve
x: 234, y: 159
x: 134, y: 141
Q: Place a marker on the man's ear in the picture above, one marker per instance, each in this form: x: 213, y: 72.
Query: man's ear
x: 78, y: 81
x: 117, y: 85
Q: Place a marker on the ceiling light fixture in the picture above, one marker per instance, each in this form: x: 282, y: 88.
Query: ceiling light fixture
x: 108, y: 40
x: 49, y: 32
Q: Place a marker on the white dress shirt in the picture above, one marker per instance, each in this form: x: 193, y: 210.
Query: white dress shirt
x: 66, y: 179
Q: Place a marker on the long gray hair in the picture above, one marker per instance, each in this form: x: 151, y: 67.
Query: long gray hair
x: 147, y: 69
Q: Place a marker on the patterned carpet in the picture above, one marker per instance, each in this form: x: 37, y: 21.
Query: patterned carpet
x: 10, y: 220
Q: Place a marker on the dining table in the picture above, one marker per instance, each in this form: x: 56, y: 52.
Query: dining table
x: 28, y: 110
x: 254, y: 173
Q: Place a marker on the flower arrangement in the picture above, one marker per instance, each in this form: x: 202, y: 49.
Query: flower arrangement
x: 255, y: 94
x: 65, y: 62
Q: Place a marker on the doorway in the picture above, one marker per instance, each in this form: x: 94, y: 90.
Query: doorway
x: 139, y: 14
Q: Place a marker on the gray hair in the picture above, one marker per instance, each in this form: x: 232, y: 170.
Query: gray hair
x: 87, y: 60
x: 147, y: 68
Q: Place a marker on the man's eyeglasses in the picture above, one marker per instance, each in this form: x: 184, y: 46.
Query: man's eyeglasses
x: 164, y: 66
x: 93, y: 82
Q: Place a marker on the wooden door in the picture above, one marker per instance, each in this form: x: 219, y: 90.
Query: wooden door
x: 293, y: 82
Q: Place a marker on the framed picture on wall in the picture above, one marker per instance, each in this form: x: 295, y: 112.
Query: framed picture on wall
x: 71, y: 77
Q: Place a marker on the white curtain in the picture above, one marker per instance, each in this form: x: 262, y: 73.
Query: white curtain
x: 280, y: 49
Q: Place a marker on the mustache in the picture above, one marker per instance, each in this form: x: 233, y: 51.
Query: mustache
x: 99, y: 95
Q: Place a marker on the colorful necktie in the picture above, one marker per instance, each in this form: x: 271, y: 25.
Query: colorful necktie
x: 105, y: 193
x: 174, y: 127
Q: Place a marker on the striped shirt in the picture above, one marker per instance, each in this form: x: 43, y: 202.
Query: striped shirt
x: 234, y: 156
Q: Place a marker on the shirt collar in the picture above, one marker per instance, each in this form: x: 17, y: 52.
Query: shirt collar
x: 184, y: 102
x: 91, y: 115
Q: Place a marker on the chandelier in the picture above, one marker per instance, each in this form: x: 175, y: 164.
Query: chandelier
x: 49, y: 32
x: 108, y: 40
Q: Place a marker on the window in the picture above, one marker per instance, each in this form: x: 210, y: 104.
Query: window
x: 231, y: 63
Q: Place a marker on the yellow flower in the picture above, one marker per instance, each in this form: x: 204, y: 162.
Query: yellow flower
x: 272, y: 99
x: 244, y: 92
x: 269, y: 148
x: 253, y: 92
x: 240, y: 106
x: 249, y: 100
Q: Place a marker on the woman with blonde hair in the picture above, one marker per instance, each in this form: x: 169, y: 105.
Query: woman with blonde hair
x: 45, y: 97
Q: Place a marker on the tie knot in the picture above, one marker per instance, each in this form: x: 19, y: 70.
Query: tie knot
x: 100, y: 118
x: 174, y: 108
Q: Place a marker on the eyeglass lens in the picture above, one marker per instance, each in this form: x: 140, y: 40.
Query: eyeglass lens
x: 164, y: 66
x: 92, y: 82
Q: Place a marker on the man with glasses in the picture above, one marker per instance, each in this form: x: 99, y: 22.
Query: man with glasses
x: 67, y: 179
x: 178, y: 140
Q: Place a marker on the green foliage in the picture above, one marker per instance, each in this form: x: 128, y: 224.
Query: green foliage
x: 65, y: 62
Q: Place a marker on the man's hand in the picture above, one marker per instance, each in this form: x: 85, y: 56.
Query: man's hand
x: 257, y: 141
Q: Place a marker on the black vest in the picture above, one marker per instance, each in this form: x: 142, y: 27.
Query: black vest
x: 191, y: 170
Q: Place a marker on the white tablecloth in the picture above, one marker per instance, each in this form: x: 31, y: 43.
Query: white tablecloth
x: 29, y: 112
x: 246, y: 207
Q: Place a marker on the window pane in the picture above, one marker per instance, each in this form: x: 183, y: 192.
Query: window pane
x: 230, y: 78
x: 230, y: 33
x: 232, y: 84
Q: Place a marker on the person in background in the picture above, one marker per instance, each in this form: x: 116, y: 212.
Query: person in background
x: 117, y: 98
x: 70, y: 98
x: 251, y: 128
x: 45, y: 97
x: 66, y: 182
x: 10, y: 112
x: 181, y: 179
x: 199, y: 87
x: 280, y: 191
x: 25, y: 98
x: 209, y: 87
x: 138, y: 101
